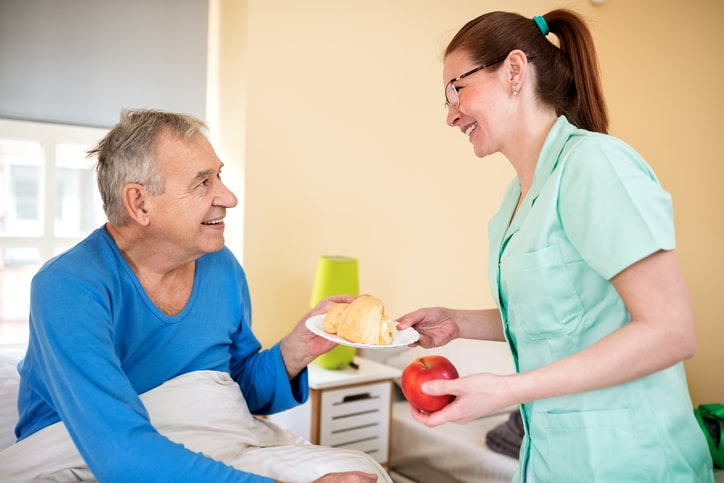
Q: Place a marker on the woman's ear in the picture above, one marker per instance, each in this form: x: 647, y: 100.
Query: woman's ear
x: 517, y: 64
x: 135, y: 201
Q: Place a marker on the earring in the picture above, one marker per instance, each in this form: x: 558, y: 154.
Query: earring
x: 515, y: 89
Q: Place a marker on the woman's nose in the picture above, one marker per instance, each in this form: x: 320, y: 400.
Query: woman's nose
x: 453, y: 116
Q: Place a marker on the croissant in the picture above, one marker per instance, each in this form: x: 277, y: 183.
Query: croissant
x: 363, y: 321
x: 331, y: 320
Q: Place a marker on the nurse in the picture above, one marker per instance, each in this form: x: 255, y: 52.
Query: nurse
x: 590, y: 296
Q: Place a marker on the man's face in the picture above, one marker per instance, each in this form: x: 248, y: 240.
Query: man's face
x: 186, y: 221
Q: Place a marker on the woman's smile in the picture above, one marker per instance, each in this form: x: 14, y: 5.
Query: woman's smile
x: 468, y: 130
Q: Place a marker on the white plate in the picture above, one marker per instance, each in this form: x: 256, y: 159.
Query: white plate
x: 402, y: 337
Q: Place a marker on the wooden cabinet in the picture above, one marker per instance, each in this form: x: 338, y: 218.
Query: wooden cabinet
x: 352, y: 407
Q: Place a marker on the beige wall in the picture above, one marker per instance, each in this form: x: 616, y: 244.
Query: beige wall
x: 331, y: 114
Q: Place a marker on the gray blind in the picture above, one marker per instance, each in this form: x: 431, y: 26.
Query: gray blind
x: 82, y: 61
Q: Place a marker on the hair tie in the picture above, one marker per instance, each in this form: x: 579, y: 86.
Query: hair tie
x: 542, y: 25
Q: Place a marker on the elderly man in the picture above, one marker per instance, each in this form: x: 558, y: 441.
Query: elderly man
x: 141, y: 364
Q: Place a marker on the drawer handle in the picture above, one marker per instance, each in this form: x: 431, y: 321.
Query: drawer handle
x: 352, y: 415
x: 356, y: 441
x: 356, y: 397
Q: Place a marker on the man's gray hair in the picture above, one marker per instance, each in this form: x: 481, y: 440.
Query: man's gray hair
x: 127, y: 154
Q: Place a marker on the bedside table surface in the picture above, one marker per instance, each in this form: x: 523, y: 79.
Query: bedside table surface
x: 368, y: 371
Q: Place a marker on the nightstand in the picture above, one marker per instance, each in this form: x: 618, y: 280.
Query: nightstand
x: 347, y: 408
x: 352, y: 407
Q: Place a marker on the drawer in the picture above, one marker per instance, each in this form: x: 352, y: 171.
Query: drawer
x: 357, y: 417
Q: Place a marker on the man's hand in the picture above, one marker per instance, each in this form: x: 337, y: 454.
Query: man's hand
x: 348, y: 477
x: 301, y: 346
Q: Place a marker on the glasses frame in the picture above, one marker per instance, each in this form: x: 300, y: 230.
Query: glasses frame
x: 450, y: 88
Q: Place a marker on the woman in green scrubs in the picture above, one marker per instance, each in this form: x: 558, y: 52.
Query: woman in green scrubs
x: 590, y: 296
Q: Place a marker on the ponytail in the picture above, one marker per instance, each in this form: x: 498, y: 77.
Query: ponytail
x: 567, y: 74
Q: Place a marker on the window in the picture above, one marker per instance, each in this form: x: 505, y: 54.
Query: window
x: 48, y: 202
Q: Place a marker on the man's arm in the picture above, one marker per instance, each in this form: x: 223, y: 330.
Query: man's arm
x: 72, y: 365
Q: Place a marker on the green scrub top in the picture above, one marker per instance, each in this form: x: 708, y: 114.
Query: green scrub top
x: 594, y: 209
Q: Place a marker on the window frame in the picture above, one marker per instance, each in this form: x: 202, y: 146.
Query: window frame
x: 49, y: 136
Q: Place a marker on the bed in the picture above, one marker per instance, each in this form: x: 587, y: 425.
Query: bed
x: 446, y: 454
x: 450, y: 453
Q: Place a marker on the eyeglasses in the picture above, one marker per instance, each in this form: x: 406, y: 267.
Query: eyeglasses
x: 451, y: 92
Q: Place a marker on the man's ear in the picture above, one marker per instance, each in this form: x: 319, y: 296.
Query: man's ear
x: 135, y: 201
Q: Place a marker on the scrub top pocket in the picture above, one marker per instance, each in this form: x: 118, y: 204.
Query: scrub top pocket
x: 579, y: 446
x: 541, y: 297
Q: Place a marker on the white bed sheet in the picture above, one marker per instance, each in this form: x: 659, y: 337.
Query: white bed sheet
x: 206, y: 412
x: 447, y: 453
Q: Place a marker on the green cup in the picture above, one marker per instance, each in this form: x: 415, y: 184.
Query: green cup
x: 338, y: 358
x: 336, y: 275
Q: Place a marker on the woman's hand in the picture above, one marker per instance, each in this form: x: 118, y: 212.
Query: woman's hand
x: 436, y: 325
x: 476, y: 396
x: 439, y: 325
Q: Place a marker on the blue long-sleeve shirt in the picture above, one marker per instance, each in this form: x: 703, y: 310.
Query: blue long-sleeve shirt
x: 97, y: 341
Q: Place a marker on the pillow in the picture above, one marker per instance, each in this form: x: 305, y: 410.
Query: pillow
x: 9, y: 382
x: 469, y: 356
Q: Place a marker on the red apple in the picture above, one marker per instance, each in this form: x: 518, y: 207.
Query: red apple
x: 423, y: 369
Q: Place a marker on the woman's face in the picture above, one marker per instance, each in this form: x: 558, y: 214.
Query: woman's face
x: 479, y: 114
